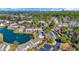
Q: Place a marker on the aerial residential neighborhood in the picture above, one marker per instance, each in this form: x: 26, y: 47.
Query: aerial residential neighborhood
x: 39, y: 31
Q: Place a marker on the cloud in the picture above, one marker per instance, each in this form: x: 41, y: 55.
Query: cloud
x: 71, y: 9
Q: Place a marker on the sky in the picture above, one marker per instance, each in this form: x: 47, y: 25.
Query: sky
x: 39, y: 9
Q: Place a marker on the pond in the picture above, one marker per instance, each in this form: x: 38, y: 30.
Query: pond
x: 10, y: 37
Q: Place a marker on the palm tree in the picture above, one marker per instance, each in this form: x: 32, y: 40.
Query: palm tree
x: 51, y: 40
x: 52, y: 25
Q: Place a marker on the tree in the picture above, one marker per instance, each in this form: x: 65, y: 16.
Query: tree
x: 51, y: 40
x: 47, y: 29
x: 52, y: 25
x: 1, y: 36
x: 35, y: 20
x: 2, y: 17
x: 12, y: 47
x: 64, y: 38
x: 31, y: 49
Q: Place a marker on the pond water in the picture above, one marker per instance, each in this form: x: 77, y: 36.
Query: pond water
x: 10, y: 37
